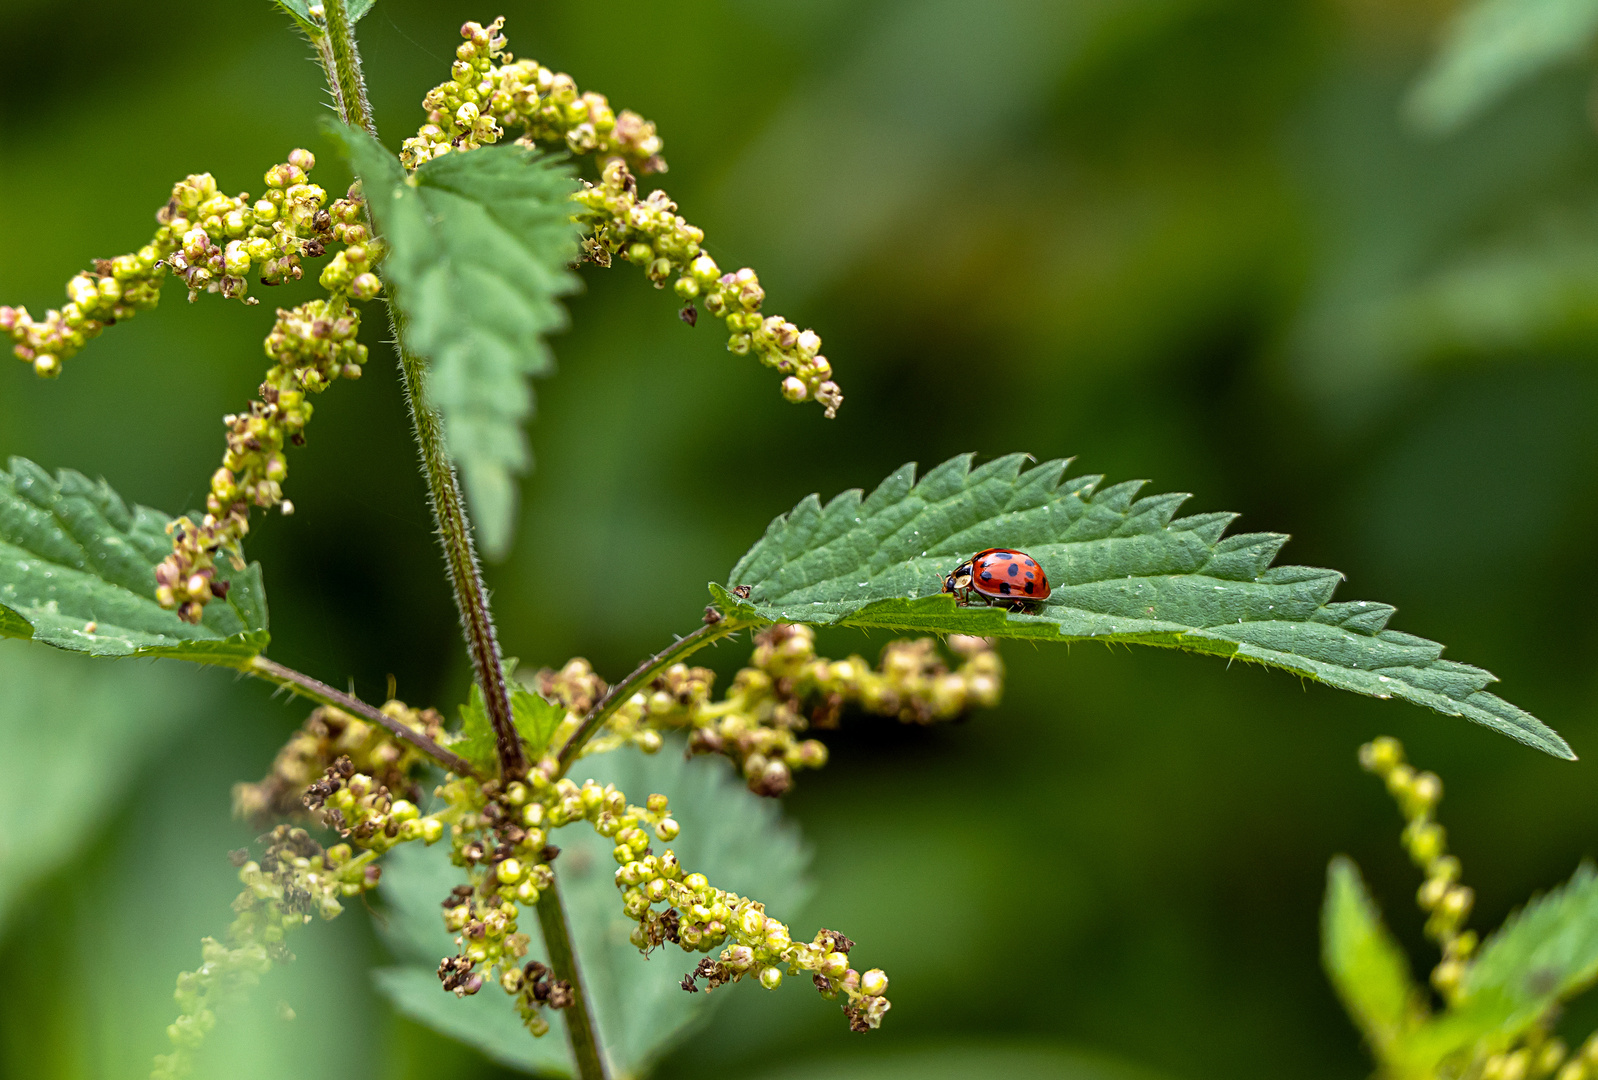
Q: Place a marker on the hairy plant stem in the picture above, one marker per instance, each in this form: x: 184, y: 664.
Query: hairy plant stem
x: 460, y: 556
x: 443, y: 487
x: 578, y: 1015
x: 641, y: 676
x: 342, y: 62
x: 323, y: 694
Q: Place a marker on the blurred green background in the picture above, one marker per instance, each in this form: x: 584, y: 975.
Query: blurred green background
x: 1189, y: 240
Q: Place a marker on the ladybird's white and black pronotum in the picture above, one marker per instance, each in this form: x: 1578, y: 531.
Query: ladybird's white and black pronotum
x: 999, y: 577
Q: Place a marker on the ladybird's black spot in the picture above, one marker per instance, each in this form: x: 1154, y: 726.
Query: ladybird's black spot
x: 1004, y: 587
x: 1029, y: 588
x: 986, y: 576
x: 1029, y: 575
x: 1029, y: 562
x: 1014, y: 569
x: 1002, y: 555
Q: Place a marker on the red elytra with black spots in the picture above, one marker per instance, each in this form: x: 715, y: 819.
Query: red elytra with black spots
x: 999, y: 576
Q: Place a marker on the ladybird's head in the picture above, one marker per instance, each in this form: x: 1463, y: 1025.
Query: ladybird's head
x: 959, y: 580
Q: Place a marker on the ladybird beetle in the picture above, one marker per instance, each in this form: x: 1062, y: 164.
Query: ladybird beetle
x: 999, y: 576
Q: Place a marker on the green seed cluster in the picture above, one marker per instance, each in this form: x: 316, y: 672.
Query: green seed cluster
x: 228, y: 236
x: 1446, y: 902
x: 210, y: 240
x: 490, y: 91
x: 1582, y: 1065
x: 362, y: 808
x: 1541, y: 1057
x: 785, y: 691
x: 327, y: 735
x: 500, y: 834
x: 648, y: 231
x: 294, y: 880
x: 697, y: 916
x: 118, y: 289
x: 310, y: 347
x: 1535, y: 1055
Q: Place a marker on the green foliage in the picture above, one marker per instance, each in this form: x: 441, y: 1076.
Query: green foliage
x: 964, y: 1060
x: 536, y: 720
x: 1493, y: 46
x: 1529, y: 291
x: 1124, y: 569
x: 77, y: 571
x: 1365, y: 964
x: 300, y: 11
x: 1544, y: 954
x: 735, y: 838
x: 73, y: 734
x: 480, y: 248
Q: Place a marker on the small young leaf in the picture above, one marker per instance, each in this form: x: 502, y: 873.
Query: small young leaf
x: 481, y: 245
x: 536, y: 719
x: 475, y: 740
x: 738, y: 840
x: 77, y: 571
x: 1365, y: 964
x: 315, y: 27
x: 1492, y: 46
x: 1123, y: 569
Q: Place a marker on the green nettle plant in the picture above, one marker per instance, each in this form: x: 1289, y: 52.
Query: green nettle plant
x: 469, y: 242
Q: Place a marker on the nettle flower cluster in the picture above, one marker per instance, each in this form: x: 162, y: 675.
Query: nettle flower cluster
x: 1446, y: 902
x: 500, y: 833
x: 785, y: 691
x: 294, y: 880
x: 310, y: 347
x: 490, y: 92
x: 214, y: 242
x: 356, y: 779
x: 330, y: 734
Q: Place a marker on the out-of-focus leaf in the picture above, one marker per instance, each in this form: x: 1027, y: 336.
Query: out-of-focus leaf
x: 1530, y: 292
x: 300, y: 11
x: 1543, y: 954
x: 819, y: 155
x: 72, y: 736
x: 1123, y: 569
x: 480, y: 249
x: 738, y: 840
x: 1367, y: 967
x: 967, y: 1060
x: 1398, y: 214
x: 77, y: 571
x: 1491, y: 47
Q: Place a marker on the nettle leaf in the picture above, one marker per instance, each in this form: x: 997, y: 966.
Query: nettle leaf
x: 73, y: 736
x: 481, y: 246
x: 1367, y: 967
x: 1124, y: 569
x: 316, y: 26
x: 739, y: 840
x: 535, y: 718
x: 77, y: 571
x: 1491, y: 47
